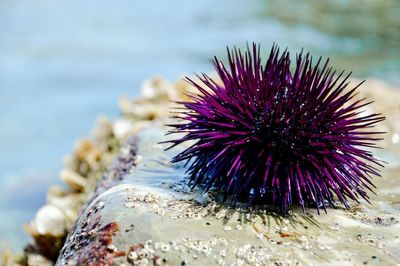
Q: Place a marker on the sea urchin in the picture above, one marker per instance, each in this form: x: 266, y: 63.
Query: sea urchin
x: 271, y: 135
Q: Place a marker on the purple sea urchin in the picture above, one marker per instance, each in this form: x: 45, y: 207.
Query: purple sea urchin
x: 270, y: 135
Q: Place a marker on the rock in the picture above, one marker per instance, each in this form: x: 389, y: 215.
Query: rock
x: 155, y: 217
x: 150, y: 216
x: 74, y: 180
x: 141, y: 210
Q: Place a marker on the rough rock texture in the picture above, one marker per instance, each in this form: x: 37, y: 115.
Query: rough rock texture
x: 157, y: 220
x: 137, y: 210
x: 150, y: 217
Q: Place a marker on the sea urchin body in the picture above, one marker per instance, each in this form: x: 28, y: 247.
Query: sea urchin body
x: 264, y: 133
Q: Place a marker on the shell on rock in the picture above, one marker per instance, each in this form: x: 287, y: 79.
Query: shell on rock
x: 37, y: 260
x: 123, y: 128
x: 48, y: 229
x: 158, y: 89
x: 68, y: 202
x: 49, y: 220
x: 103, y: 129
x: 70, y: 162
x: 83, y: 147
x: 74, y: 180
x: 142, y: 110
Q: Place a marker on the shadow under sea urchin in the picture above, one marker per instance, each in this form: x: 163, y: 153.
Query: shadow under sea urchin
x: 267, y: 134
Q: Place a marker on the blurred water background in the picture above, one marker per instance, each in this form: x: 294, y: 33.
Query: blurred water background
x: 62, y: 63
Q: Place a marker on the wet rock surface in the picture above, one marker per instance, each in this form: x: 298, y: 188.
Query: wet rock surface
x: 162, y: 222
x: 128, y: 205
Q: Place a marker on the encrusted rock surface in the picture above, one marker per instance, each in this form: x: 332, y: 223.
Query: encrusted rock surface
x: 160, y: 221
x: 137, y: 210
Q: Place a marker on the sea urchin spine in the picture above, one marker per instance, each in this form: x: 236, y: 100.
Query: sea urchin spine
x: 266, y: 134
